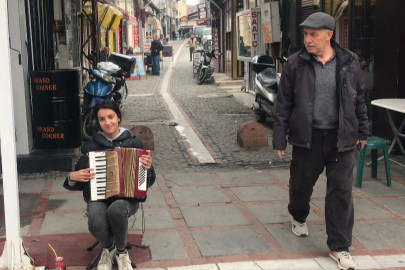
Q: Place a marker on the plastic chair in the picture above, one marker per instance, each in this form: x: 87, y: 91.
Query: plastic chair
x: 373, y: 144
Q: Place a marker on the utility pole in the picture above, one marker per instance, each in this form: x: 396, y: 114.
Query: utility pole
x: 14, y: 255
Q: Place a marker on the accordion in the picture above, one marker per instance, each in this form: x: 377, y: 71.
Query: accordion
x: 119, y: 173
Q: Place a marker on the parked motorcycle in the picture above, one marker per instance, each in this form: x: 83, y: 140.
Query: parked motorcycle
x: 106, y: 82
x: 266, y: 84
x: 99, y: 87
x: 202, y: 67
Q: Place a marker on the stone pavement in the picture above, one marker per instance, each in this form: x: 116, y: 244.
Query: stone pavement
x: 232, y: 215
x: 227, y: 216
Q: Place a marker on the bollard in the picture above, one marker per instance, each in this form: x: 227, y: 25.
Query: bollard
x: 144, y: 134
x: 251, y: 134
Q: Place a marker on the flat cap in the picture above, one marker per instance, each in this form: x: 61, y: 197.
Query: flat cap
x: 319, y: 20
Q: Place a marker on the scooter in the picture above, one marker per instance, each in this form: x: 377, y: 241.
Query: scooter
x: 100, y: 87
x: 266, y: 83
x: 120, y: 90
x: 204, y: 69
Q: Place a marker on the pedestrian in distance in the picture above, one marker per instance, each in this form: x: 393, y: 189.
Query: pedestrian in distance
x: 321, y: 105
x: 108, y: 219
x: 155, y: 50
x: 104, y: 54
x: 162, y: 39
x: 192, y: 43
x: 130, y: 50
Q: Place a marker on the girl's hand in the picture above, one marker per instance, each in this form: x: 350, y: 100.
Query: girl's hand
x: 146, y: 160
x: 83, y: 175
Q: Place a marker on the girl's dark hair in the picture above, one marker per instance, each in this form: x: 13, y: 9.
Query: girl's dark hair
x: 106, y: 104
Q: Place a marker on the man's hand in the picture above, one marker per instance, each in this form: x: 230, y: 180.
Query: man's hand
x: 83, y: 175
x: 360, y: 144
x: 146, y: 160
x: 280, y: 153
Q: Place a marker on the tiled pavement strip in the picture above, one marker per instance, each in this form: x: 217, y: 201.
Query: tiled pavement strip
x: 229, y: 218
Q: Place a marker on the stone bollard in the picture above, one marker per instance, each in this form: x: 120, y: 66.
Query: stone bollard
x: 251, y: 134
x: 144, y: 134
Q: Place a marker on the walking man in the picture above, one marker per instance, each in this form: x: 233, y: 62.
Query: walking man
x: 321, y: 105
x: 192, y: 43
x: 155, y: 49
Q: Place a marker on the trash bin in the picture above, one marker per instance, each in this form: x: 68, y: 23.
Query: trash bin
x: 56, y: 109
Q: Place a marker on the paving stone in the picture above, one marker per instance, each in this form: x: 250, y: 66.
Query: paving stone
x: 327, y: 263
x: 25, y: 222
x: 315, y: 242
x: 195, y: 267
x: 165, y: 246
x: 28, y: 186
x: 70, y: 201
x: 380, y: 234
x: 282, y: 175
x: 199, y: 195
x: 57, y: 185
x: 239, y: 266
x: 213, y: 215
x: 64, y: 223
x: 154, y: 219
x: 378, y: 188
x: 362, y: 209
x: 290, y: 264
x: 247, y: 177
x: 391, y: 260
x: 319, y: 189
x: 275, y: 213
x: 200, y: 179
x: 395, y: 204
x: 155, y: 197
x: 254, y: 194
x: 230, y: 242
x: 27, y: 203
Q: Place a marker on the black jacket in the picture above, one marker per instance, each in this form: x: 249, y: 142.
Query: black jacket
x: 99, y: 142
x: 156, y: 47
x: 296, y: 96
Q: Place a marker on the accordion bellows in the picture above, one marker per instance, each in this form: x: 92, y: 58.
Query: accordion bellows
x: 119, y: 173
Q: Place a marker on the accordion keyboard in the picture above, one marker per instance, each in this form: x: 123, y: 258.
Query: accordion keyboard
x: 97, y: 160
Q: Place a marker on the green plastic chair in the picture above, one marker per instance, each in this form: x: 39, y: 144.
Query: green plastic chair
x: 373, y: 144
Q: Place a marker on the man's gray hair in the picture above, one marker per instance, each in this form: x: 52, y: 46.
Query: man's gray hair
x: 155, y: 36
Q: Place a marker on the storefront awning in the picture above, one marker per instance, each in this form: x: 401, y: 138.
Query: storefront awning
x: 155, y: 24
x: 108, y: 16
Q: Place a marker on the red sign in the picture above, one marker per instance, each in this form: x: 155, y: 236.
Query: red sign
x: 345, y: 34
x: 254, y: 33
x: 216, y: 44
x: 136, y: 34
x: 202, y: 22
x: 120, y: 39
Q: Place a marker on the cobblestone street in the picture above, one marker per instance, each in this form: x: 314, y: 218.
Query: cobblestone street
x: 216, y: 119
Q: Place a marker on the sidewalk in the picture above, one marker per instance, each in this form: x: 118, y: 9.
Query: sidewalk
x: 225, y: 216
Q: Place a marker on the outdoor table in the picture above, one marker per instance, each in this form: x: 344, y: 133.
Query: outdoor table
x: 396, y: 105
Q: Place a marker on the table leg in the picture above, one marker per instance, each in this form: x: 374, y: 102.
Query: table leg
x: 397, y: 134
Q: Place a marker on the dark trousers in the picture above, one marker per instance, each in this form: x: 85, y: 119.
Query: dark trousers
x: 156, y: 65
x: 108, y: 220
x: 191, y: 53
x: 306, y: 166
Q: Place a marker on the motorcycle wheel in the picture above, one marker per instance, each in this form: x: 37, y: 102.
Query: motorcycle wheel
x: 88, y: 125
x: 202, y: 76
x: 260, y: 116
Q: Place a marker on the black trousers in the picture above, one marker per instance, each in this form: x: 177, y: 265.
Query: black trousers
x: 191, y: 53
x: 306, y: 166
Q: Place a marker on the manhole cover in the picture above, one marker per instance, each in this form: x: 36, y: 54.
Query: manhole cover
x: 215, y: 95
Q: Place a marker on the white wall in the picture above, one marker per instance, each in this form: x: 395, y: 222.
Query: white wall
x: 22, y: 102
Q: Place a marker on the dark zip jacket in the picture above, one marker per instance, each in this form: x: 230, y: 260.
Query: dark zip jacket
x: 100, y: 142
x: 295, y: 100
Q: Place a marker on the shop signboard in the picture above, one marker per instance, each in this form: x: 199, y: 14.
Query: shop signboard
x: 136, y: 34
x: 216, y: 43
x: 255, y: 32
x: 139, y: 69
x: 202, y: 10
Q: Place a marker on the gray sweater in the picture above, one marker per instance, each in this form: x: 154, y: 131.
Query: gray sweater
x: 326, y: 111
